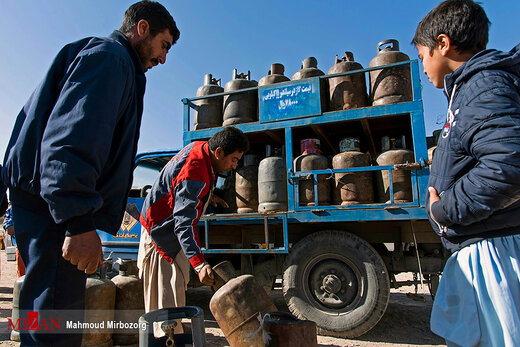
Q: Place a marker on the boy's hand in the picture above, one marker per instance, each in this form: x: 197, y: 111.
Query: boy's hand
x: 206, y: 275
x: 434, y: 197
x: 215, y: 200
x: 84, y: 250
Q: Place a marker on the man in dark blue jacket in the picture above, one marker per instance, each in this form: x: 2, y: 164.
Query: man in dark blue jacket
x: 474, y: 187
x: 70, y: 159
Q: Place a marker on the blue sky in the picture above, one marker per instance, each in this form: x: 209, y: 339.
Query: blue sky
x: 216, y: 37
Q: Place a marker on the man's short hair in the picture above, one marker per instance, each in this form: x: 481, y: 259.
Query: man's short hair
x: 463, y: 21
x: 154, y: 13
x: 230, y: 140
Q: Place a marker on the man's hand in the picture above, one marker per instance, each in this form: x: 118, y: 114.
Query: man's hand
x: 10, y: 230
x: 215, y: 200
x: 84, y: 250
x: 434, y: 197
x: 206, y: 275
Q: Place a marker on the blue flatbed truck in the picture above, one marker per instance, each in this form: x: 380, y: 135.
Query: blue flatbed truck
x: 337, y: 263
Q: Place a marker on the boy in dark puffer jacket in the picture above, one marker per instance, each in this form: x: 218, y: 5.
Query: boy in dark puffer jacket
x: 474, y: 187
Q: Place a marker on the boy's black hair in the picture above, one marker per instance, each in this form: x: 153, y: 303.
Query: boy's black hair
x: 230, y: 140
x: 155, y: 14
x: 463, y: 21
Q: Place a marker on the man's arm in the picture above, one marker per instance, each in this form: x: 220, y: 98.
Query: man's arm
x: 75, y: 147
x: 186, y: 212
x: 78, y: 136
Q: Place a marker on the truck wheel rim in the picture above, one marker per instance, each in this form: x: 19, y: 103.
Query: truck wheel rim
x: 334, y: 282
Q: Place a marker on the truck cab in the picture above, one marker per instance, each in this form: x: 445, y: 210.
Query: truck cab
x: 125, y: 244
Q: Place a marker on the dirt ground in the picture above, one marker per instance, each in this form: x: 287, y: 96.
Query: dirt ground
x: 405, y: 323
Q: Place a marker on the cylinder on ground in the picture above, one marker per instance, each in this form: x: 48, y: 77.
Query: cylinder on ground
x: 237, y: 307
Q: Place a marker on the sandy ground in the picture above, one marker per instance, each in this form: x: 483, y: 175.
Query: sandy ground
x: 405, y: 323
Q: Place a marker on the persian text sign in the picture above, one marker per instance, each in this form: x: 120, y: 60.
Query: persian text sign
x: 288, y: 100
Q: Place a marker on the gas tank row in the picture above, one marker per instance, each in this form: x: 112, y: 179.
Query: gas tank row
x: 387, y: 86
x: 263, y: 187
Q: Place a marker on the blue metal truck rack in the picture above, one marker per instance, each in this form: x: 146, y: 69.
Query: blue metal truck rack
x: 348, y: 297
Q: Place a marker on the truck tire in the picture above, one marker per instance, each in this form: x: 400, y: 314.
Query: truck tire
x: 337, y: 280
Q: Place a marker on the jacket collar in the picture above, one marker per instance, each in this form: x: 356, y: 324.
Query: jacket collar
x: 484, y: 60
x: 205, y: 150
x: 122, y: 39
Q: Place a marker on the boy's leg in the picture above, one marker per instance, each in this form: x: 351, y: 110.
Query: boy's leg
x: 454, y: 312
x: 497, y: 286
x: 51, y: 283
x: 478, y: 301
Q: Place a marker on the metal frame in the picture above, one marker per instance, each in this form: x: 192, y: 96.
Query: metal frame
x: 327, y: 213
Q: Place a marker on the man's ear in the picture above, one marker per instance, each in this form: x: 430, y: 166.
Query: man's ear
x: 444, y: 44
x: 143, y: 28
x: 219, y: 153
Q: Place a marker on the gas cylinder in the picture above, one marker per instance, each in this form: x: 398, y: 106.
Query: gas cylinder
x: 392, y: 85
x: 394, y: 152
x: 285, y: 330
x: 350, y: 91
x: 352, y: 187
x: 246, y: 185
x: 208, y: 112
x: 223, y: 272
x: 308, y: 69
x: 100, y: 295
x: 230, y: 195
x: 275, y: 75
x: 272, y: 183
x: 129, y: 305
x: 311, y: 159
x: 15, y: 333
x: 238, y: 306
x: 149, y: 320
x: 240, y: 107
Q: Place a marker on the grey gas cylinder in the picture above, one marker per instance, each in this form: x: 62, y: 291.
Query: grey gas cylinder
x: 208, y: 112
x: 240, y: 107
x: 15, y: 333
x: 100, y: 296
x: 309, y: 68
x: 129, y: 303
x: 272, y: 184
